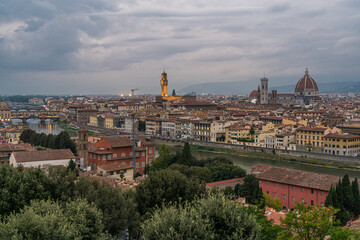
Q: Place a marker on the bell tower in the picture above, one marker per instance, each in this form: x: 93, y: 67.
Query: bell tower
x: 164, y: 84
x: 82, y: 146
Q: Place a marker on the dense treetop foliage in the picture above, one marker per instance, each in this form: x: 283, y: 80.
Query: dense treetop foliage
x: 345, y: 197
x: 171, y: 203
x: 60, y: 141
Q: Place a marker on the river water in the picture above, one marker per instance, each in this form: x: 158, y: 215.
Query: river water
x: 248, y: 162
x: 47, y: 127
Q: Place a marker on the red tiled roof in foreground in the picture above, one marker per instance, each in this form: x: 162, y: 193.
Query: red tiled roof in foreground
x: 296, y: 177
x: 225, y: 183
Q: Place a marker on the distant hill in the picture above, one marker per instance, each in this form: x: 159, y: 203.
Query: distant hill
x: 245, y: 87
x: 237, y: 87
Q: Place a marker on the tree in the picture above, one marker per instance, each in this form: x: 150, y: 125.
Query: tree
x: 118, y: 206
x: 164, y: 160
x: 25, y: 136
x: 72, y: 165
x: 274, y: 203
x: 226, y: 171
x: 186, y: 158
x: 347, y: 192
x: 356, y: 195
x: 251, y: 191
x: 19, y: 187
x: 214, y: 217
x: 166, y: 186
x: 48, y: 220
x: 142, y: 126
x: 307, y: 222
x: 203, y: 174
x: 252, y: 132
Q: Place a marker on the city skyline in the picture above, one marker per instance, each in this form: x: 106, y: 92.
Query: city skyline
x: 110, y: 47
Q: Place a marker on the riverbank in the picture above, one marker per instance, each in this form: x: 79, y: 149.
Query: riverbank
x: 71, y: 128
x: 274, y: 157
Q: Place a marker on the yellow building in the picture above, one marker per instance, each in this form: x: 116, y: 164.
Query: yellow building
x: 311, y: 139
x: 5, y: 112
x: 342, y: 144
x: 234, y: 132
x: 13, y: 135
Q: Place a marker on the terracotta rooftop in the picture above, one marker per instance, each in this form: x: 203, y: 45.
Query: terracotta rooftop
x: 316, y: 129
x: 295, y: 177
x: 118, y: 141
x: 45, y: 155
x: 225, y: 183
x: 114, y: 167
x: 341, y: 136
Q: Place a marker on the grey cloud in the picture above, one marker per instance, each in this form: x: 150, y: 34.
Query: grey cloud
x: 279, y: 8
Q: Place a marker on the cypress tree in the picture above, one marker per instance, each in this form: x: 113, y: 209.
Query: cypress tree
x: 186, y: 158
x: 356, y: 195
x: 347, y: 193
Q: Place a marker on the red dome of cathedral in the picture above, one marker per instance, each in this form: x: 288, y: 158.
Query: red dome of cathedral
x: 254, y: 94
x: 306, y: 83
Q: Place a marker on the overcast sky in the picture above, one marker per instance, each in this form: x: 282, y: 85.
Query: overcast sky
x: 111, y: 46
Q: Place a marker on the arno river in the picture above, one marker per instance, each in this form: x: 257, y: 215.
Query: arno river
x: 244, y: 162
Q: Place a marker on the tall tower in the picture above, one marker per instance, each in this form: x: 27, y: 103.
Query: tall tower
x: 164, y: 84
x: 264, y: 91
x: 82, y: 146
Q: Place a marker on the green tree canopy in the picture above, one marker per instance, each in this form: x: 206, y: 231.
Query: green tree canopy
x: 48, y: 220
x: 214, y: 217
x: 164, y: 159
x: 251, y: 190
x: 186, y: 158
x: 166, y: 186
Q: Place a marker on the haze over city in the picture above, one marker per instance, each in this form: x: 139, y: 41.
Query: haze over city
x: 109, y: 47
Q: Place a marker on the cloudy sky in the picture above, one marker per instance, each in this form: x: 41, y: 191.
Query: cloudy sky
x: 111, y: 46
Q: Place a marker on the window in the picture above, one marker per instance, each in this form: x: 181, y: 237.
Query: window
x: 123, y: 154
x: 267, y: 183
x: 275, y: 194
x: 103, y: 157
x: 99, y: 157
x: 90, y: 155
x: 150, y: 150
x: 137, y: 154
x: 109, y: 156
x: 302, y: 200
x: 131, y: 153
x: 293, y: 199
x: 143, y: 154
x: 284, y: 186
x: 293, y: 188
x: 118, y: 172
x: 114, y: 155
x: 137, y: 165
x: 322, y: 204
x: 259, y: 181
x: 312, y: 191
x: 275, y: 184
x: 143, y: 164
x: 322, y: 193
x: 312, y: 202
x: 112, y: 173
x: 284, y: 197
x: 302, y: 189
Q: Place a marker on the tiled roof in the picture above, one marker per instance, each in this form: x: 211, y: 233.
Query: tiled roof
x: 306, y: 83
x: 114, y: 167
x: 117, y: 141
x: 296, y: 177
x: 45, y: 155
x: 341, y: 136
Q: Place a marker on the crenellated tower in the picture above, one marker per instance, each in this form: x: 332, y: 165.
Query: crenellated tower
x: 164, y: 84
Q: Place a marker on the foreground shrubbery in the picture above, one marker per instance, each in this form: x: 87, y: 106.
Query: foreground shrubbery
x: 171, y: 203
